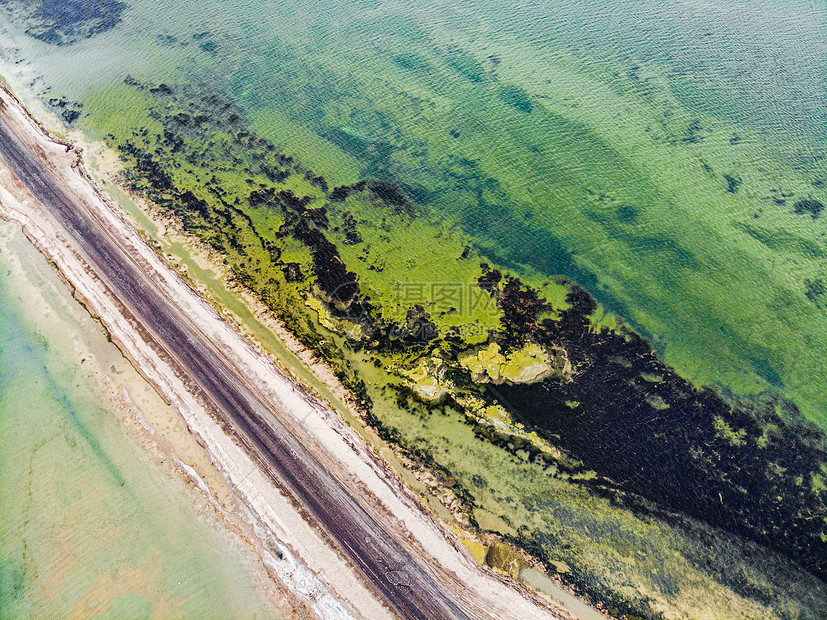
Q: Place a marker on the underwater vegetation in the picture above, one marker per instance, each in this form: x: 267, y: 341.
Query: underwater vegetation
x: 753, y: 467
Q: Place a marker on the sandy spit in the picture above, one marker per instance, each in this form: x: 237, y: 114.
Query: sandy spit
x: 296, y: 550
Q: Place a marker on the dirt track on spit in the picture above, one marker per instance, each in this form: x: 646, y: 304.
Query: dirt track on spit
x: 413, y: 584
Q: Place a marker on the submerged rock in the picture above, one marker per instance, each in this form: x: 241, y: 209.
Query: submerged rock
x: 506, y: 558
x: 530, y: 364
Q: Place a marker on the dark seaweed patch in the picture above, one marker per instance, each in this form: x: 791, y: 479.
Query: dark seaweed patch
x: 732, y: 183
x: 666, y: 245
x: 12, y: 580
x: 388, y: 192
x: 517, y: 98
x: 293, y: 272
x: 340, y: 194
x: 520, y: 303
x: 815, y: 290
x: 781, y: 240
x: 161, y: 89
x: 465, y: 64
x: 62, y: 22
x: 375, y: 153
x: 694, y: 133
x: 627, y: 214
x: 69, y: 111
x: 809, y: 206
x: 685, y: 448
x: 169, y: 40
x: 332, y: 276
x: 351, y: 230
x: 209, y: 46
x: 412, y: 62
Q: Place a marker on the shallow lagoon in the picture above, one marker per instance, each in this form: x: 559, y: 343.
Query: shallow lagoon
x: 92, y: 520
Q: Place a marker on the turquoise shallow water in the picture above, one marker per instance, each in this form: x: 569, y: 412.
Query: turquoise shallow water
x: 90, y: 523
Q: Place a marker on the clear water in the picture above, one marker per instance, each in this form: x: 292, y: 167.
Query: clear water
x: 717, y: 280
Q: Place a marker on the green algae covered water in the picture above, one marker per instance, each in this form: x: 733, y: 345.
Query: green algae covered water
x: 667, y: 156
x: 91, y: 523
